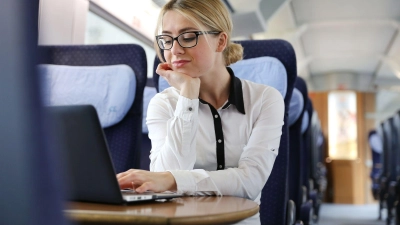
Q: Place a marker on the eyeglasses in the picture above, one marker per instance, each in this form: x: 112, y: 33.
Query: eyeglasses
x: 185, y: 40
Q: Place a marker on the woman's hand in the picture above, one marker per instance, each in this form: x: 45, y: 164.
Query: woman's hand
x: 188, y: 86
x: 142, y: 180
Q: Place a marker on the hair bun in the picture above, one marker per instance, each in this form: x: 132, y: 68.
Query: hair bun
x: 233, y: 53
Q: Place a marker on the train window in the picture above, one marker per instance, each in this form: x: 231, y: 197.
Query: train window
x: 342, y: 119
x: 106, y: 24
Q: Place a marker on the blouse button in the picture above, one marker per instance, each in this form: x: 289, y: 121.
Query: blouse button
x: 190, y: 108
x: 216, y: 116
x: 219, y: 140
x: 220, y: 166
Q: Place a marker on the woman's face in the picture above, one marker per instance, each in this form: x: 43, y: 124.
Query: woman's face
x: 195, y: 61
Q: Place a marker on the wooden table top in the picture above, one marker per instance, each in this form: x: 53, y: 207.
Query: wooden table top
x: 184, y: 210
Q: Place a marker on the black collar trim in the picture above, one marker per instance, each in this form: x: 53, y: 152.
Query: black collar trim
x: 235, y: 93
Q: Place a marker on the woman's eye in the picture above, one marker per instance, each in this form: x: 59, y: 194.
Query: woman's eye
x: 189, y: 39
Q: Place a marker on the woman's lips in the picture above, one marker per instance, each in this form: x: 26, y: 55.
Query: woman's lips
x: 179, y: 63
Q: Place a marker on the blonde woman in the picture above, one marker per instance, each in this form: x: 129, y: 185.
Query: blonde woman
x: 211, y: 132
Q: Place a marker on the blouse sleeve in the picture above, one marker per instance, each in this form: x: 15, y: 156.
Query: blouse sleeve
x: 172, y: 132
x: 256, y: 161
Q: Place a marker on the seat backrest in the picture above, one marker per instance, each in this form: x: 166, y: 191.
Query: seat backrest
x: 31, y: 191
x: 300, y: 92
x: 275, y: 192
x: 397, y: 147
x: 316, y: 154
x: 387, y: 148
x: 393, y: 149
x: 124, y: 138
x: 149, y: 92
x: 375, y: 144
x: 306, y: 135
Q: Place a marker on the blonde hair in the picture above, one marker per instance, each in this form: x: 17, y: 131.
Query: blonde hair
x: 212, y: 14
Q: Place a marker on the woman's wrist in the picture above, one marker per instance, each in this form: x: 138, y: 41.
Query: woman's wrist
x: 191, y: 88
x: 170, y: 181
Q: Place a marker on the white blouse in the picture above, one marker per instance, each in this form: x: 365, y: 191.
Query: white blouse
x: 185, y: 135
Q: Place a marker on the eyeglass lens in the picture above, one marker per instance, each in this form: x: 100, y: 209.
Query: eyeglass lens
x: 185, y: 40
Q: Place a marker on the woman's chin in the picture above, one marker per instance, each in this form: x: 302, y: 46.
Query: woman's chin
x: 187, y: 72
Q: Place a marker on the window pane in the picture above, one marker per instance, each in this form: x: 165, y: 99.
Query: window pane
x: 342, y: 122
x: 100, y: 31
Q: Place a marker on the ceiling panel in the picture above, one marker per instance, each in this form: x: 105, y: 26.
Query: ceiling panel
x: 385, y: 71
x: 389, y: 70
x: 307, y: 11
x: 282, y: 21
x: 359, y: 39
x: 395, y: 48
x: 362, y: 66
x: 342, y: 38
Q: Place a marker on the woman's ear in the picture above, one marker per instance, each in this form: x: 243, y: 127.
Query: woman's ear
x: 222, y: 41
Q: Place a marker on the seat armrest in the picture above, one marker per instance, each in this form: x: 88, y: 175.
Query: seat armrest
x: 290, y: 212
x: 307, y: 212
x: 392, y: 188
x: 304, y: 194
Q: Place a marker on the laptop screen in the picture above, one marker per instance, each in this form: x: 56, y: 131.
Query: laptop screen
x: 86, y: 160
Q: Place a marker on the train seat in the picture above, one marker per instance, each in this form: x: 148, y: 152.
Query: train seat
x: 304, y: 209
x: 123, y: 137
x: 149, y: 92
x: 295, y: 113
x: 375, y: 144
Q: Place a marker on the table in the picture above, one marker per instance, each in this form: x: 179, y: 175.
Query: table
x: 184, y: 210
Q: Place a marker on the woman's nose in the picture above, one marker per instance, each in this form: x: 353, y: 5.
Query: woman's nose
x: 176, y: 48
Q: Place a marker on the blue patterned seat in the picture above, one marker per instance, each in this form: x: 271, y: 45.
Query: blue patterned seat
x: 390, y: 172
x: 274, y: 196
x: 149, y: 92
x: 296, y: 158
x: 310, y: 180
x: 124, y: 138
x: 375, y: 144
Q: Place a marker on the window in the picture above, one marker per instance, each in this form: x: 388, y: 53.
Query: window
x: 342, y: 122
x: 100, y: 31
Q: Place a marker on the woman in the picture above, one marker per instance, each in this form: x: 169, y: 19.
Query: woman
x: 211, y: 133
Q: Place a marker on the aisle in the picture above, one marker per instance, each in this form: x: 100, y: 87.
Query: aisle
x: 345, y: 214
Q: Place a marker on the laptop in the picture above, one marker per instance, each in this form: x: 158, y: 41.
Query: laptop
x: 89, y: 171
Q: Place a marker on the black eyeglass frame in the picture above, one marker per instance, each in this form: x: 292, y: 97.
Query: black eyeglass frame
x: 197, y: 33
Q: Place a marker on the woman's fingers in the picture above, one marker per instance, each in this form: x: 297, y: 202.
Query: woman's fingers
x: 133, y: 179
x: 163, y: 69
x: 142, y: 181
x: 174, y: 79
x: 125, y: 179
x: 125, y: 183
x: 145, y: 187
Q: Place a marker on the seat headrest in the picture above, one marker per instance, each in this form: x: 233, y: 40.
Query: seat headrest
x: 305, y: 122
x: 110, y: 89
x: 148, y: 94
x: 296, y: 106
x: 375, y: 143
x: 263, y: 70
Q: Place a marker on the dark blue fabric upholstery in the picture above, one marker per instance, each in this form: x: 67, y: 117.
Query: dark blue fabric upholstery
x: 376, y: 163
x: 307, y: 146
x: 275, y: 192
x: 297, y: 152
x: 30, y: 186
x: 314, y: 172
x: 124, y: 138
x: 149, y: 93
